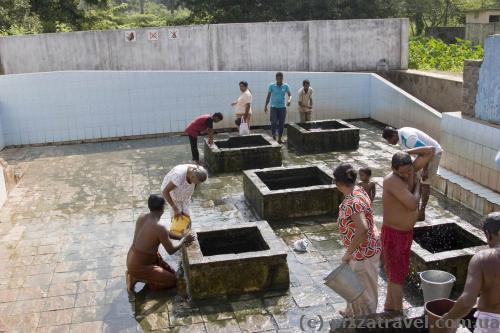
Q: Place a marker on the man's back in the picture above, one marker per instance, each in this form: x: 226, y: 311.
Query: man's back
x: 146, y: 237
x: 410, y: 138
x: 395, y: 213
x: 489, y: 300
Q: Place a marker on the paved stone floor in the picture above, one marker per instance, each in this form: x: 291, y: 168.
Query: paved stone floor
x: 66, y: 229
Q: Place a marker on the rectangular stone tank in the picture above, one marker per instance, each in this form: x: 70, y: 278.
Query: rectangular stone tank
x: 291, y: 192
x: 445, y: 245
x: 235, y: 259
x: 242, y: 153
x: 323, y: 136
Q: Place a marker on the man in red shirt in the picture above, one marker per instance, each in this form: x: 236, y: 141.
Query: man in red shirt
x: 200, y: 124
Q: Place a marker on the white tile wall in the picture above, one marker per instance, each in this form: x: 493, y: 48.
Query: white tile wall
x: 392, y: 105
x: 61, y: 106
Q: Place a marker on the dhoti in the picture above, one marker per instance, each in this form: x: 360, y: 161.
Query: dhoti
x: 487, y: 322
x: 151, y: 269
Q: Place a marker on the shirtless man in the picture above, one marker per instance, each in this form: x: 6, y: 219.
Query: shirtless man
x: 400, y: 199
x: 412, y: 139
x: 144, y: 263
x: 483, y: 280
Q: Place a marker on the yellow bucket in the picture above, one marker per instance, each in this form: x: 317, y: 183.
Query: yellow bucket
x: 179, y: 225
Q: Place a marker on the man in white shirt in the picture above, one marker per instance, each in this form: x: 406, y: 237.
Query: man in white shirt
x: 413, y: 140
x: 305, y: 101
x: 178, y: 187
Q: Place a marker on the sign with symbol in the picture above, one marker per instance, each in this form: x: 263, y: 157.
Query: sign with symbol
x: 130, y: 36
x: 153, y: 35
x: 173, y: 33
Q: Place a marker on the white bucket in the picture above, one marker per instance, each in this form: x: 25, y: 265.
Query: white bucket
x: 345, y: 282
x: 436, y: 284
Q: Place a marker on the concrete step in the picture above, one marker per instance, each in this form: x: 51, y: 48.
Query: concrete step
x: 467, y: 192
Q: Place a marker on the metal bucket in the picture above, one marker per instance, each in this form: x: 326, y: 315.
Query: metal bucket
x: 345, y: 282
x: 436, y: 284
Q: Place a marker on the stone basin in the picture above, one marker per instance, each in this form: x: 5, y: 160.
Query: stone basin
x: 234, y: 259
x: 445, y: 245
x: 242, y: 153
x: 323, y: 136
x: 291, y: 192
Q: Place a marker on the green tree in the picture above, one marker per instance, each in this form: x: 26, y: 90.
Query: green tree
x: 16, y: 18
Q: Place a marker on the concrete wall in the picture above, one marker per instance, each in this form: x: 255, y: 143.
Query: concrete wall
x: 447, y: 34
x: 470, y: 148
x: 478, y: 32
x: 488, y: 87
x: 441, y: 91
x: 66, y: 106
x: 470, y: 78
x: 344, y: 45
x: 391, y: 105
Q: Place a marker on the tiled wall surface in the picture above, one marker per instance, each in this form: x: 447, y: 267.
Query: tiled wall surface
x: 391, y: 105
x: 77, y: 105
x: 470, y: 148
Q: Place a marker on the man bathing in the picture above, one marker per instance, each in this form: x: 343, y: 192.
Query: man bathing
x: 413, y: 140
x: 144, y: 263
x: 400, y: 199
x: 483, y: 279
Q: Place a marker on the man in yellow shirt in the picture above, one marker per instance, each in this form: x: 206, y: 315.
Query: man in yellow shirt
x: 305, y: 101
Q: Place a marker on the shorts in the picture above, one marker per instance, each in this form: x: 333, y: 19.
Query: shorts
x: 396, y: 247
x: 432, y: 169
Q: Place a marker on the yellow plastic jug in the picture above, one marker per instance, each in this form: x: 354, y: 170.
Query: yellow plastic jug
x: 179, y: 225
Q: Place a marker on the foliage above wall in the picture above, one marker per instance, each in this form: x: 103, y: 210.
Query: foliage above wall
x: 18, y: 17
x: 434, y: 54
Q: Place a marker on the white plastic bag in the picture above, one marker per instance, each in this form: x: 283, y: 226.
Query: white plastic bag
x: 301, y: 245
x: 244, y: 128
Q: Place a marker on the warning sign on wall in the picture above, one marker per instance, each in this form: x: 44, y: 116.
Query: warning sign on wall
x: 130, y: 36
x: 153, y: 35
x: 173, y: 33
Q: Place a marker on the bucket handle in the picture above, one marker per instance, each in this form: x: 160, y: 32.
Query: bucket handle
x: 453, y: 279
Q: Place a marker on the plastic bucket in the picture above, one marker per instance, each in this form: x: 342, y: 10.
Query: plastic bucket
x: 179, y: 225
x: 345, y: 282
x: 436, y: 309
x: 436, y: 284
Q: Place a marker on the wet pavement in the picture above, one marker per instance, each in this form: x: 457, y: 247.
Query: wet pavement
x: 66, y: 229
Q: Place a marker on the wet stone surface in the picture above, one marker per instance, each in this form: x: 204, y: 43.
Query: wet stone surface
x: 66, y: 229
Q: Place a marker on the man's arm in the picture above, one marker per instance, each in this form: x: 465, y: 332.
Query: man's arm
x: 401, y: 192
x: 373, y: 191
x: 300, y: 99
x: 311, y: 102
x: 425, y: 155
x: 165, y: 240
x: 289, y: 97
x: 247, y: 111
x: 166, y: 194
x: 472, y: 288
x: 210, y: 132
x: 268, y: 98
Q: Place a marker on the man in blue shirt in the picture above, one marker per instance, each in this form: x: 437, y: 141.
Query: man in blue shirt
x: 276, y: 93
